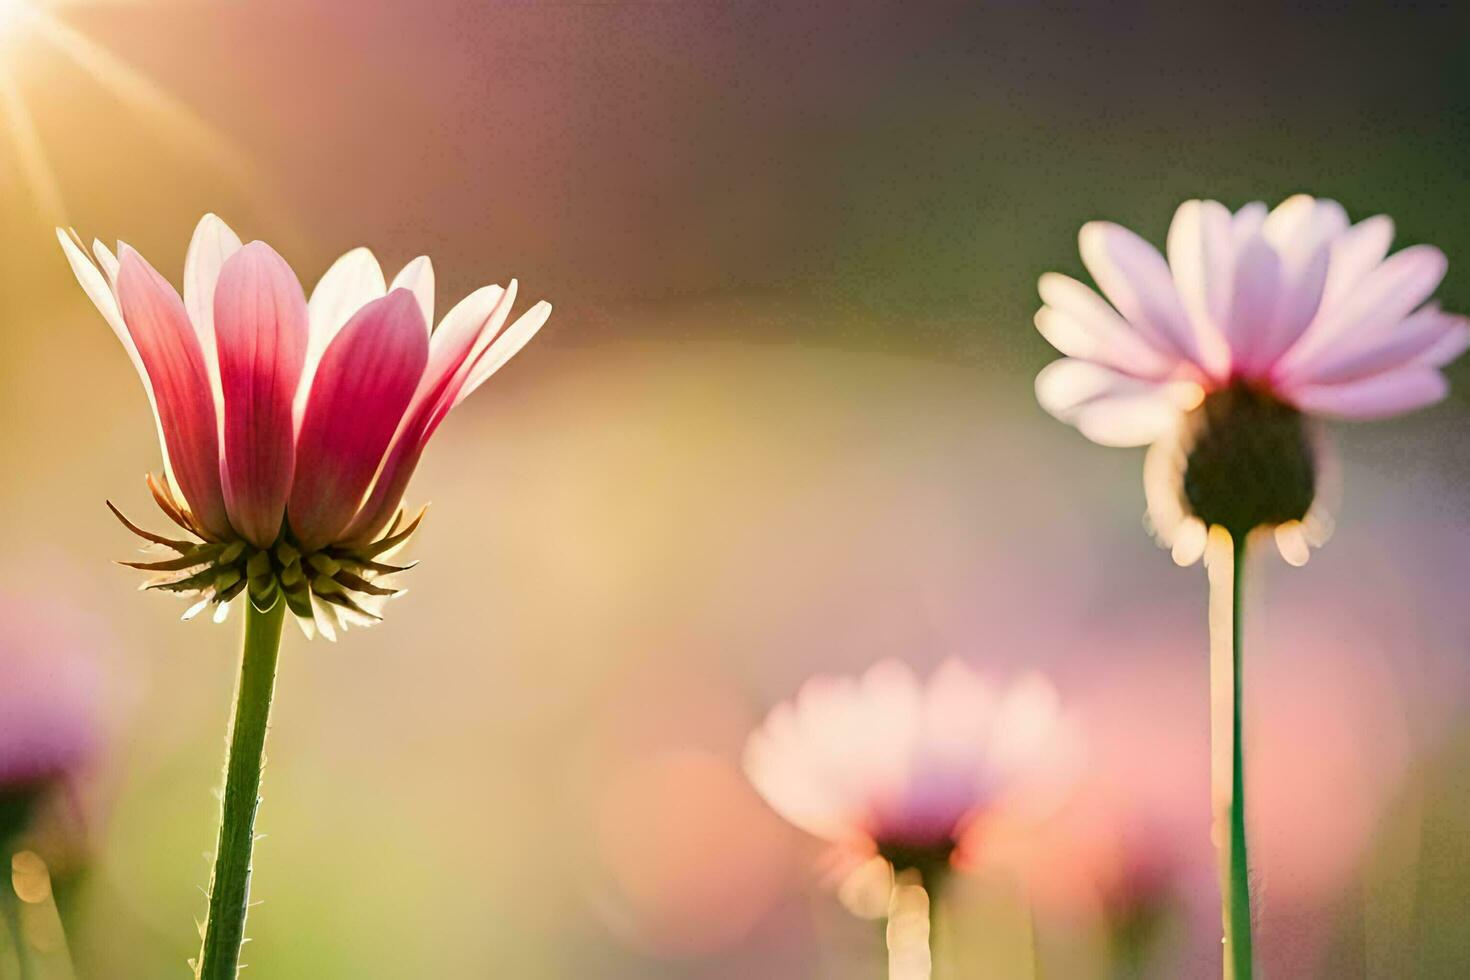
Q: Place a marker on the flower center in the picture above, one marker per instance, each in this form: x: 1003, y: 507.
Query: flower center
x: 930, y: 860
x: 214, y: 572
x: 1249, y: 460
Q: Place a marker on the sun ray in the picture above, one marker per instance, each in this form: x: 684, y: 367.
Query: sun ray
x: 34, y: 166
x: 181, y: 124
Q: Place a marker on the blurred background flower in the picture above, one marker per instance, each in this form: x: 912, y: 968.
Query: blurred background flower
x: 782, y: 423
x: 53, y: 725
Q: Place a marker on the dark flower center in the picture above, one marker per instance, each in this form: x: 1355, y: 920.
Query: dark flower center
x: 1249, y: 461
x: 931, y: 861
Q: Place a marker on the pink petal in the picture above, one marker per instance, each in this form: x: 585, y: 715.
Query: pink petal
x: 259, y: 317
x: 1253, y: 301
x: 1110, y: 408
x: 1356, y: 253
x: 352, y: 282
x: 1136, y: 279
x: 467, y: 330
x: 1374, y: 306
x: 1429, y: 337
x: 170, y: 352
x: 1376, y: 397
x: 365, y: 381
x: 1079, y: 323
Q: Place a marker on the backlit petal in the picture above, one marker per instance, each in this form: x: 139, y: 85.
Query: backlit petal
x: 1110, y: 408
x: 1136, y: 280
x: 418, y: 278
x: 362, y: 387
x: 352, y: 282
x: 259, y: 318
x: 169, y: 348
x: 212, y: 244
x: 1379, y: 396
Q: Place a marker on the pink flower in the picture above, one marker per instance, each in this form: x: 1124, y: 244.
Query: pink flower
x: 1295, y: 302
x: 49, y: 708
x: 290, y: 427
x: 910, y: 770
x: 1222, y: 355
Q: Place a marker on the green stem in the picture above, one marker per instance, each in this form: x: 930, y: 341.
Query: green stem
x: 229, y: 888
x: 1238, y: 945
x: 10, y: 910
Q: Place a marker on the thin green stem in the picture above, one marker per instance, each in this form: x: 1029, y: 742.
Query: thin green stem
x: 10, y: 911
x: 1238, y: 940
x: 229, y: 887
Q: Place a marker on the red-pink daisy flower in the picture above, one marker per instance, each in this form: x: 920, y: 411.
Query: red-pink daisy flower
x: 290, y: 427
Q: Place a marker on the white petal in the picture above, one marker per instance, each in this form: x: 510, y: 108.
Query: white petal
x: 1248, y: 221
x: 1110, y: 408
x: 212, y: 244
x: 1301, y: 224
x: 1079, y: 323
x: 506, y: 346
x: 1136, y: 280
x: 99, y: 291
x: 1376, y: 397
x: 1202, y: 260
x: 106, y: 260
x: 418, y: 278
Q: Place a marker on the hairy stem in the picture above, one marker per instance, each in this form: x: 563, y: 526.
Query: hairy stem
x: 229, y: 887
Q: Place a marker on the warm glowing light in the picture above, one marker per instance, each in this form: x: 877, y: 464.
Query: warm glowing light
x: 36, y: 24
x: 13, y: 13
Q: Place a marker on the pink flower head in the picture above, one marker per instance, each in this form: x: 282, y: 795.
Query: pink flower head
x: 290, y: 427
x: 910, y: 770
x: 49, y: 707
x: 1256, y: 321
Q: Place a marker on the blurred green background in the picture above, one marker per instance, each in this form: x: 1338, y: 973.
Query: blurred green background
x: 780, y: 422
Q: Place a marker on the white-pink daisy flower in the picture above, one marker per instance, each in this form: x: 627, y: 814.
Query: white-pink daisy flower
x: 290, y: 427
x: 911, y: 770
x: 1257, y: 321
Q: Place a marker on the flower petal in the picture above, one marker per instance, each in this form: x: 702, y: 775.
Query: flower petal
x: 1367, y: 311
x: 1377, y: 397
x: 352, y: 282
x: 462, y: 347
x: 418, y: 278
x: 1079, y: 323
x: 365, y: 381
x: 1110, y: 408
x: 259, y: 318
x: 1429, y: 337
x: 1356, y: 253
x: 1136, y: 279
x: 212, y: 244
x: 1202, y: 261
x: 1254, y: 295
x: 506, y: 346
x: 169, y: 349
